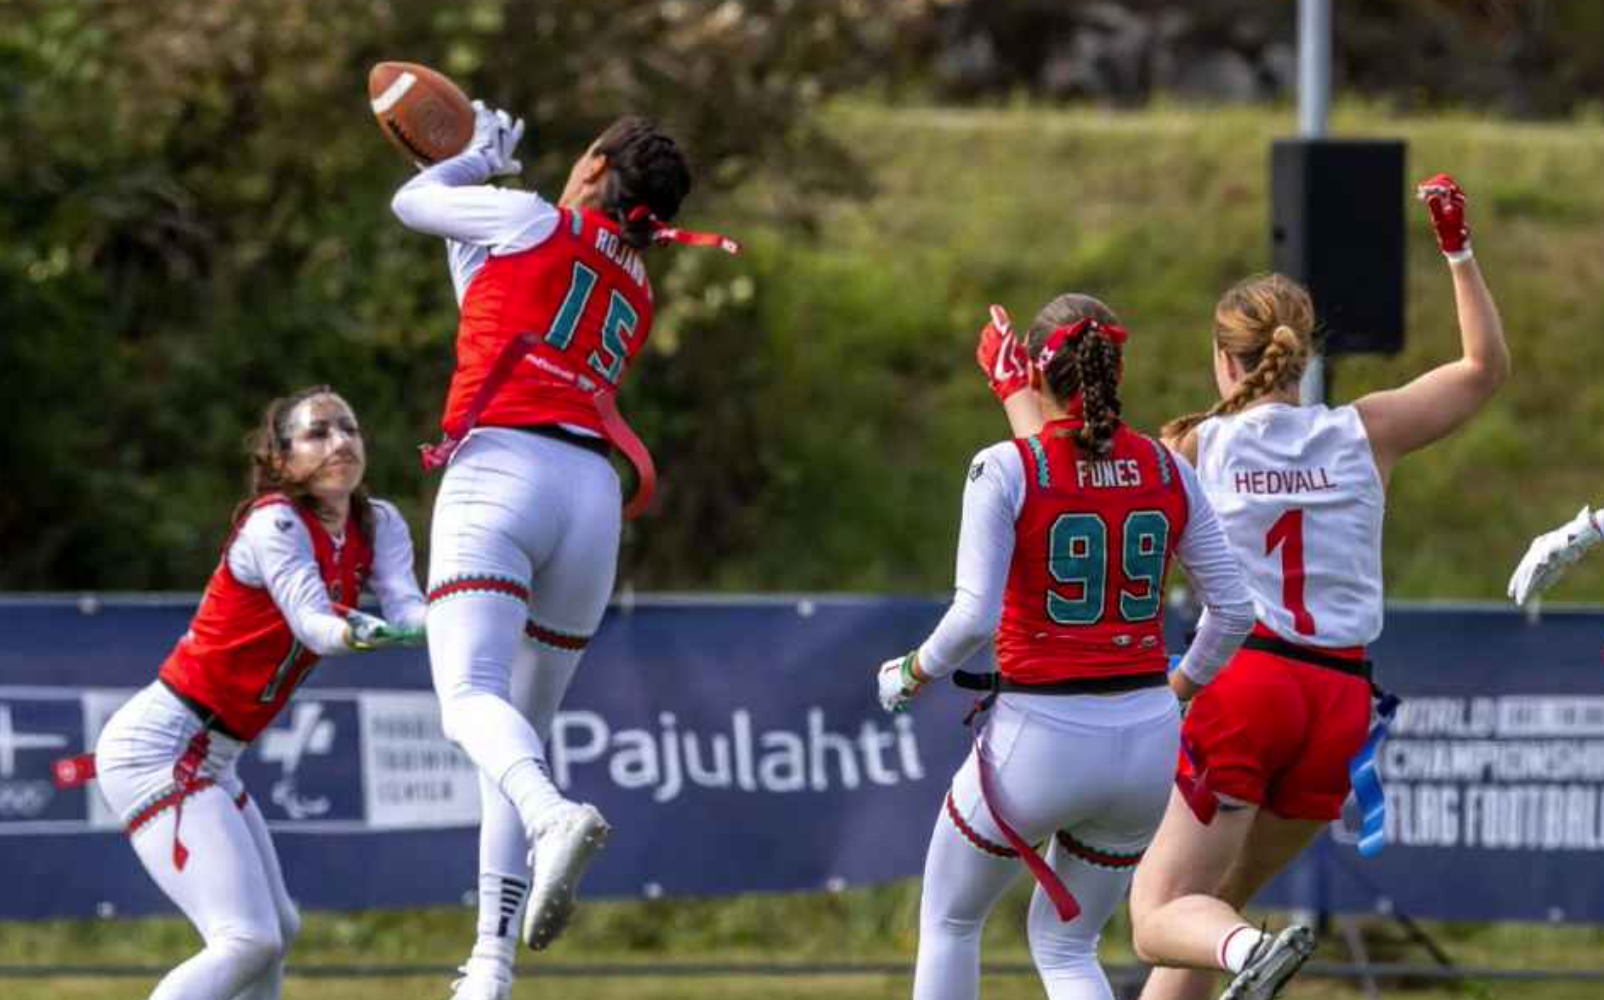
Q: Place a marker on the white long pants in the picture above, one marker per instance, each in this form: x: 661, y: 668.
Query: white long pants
x: 525, y: 534
x: 1090, y: 775
x: 231, y: 887
x: 523, y: 553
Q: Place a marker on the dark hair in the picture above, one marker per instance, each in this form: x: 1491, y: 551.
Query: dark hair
x: 645, y: 168
x: 269, y: 444
x: 1091, y: 369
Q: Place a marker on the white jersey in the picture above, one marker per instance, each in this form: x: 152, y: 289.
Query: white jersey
x: 1301, y: 500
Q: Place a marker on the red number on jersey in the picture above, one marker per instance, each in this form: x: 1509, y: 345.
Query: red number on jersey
x: 1287, y: 532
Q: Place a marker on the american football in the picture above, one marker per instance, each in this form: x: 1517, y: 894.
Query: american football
x: 420, y: 110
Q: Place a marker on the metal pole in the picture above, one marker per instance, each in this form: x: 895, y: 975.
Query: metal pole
x: 1314, y: 108
x: 1314, y: 67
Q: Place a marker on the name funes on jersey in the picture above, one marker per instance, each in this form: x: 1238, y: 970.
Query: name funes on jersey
x: 1108, y: 473
x: 1268, y: 481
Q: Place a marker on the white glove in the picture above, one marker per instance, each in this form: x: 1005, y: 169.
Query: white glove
x: 367, y: 632
x: 899, y: 682
x: 495, y: 137
x: 1551, y: 553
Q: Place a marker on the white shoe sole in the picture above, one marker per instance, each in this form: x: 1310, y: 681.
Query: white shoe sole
x: 551, y: 899
x: 1265, y: 978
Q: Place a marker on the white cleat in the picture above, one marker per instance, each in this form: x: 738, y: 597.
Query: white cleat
x: 566, y: 841
x: 1272, y: 963
x: 474, y: 985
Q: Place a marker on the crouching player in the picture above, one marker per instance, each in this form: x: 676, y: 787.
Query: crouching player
x: 1066, y: 539
x: 304, y: 544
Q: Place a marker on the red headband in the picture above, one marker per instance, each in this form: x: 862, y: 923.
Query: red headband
x: 662, y: 233
x: 1063, y: 336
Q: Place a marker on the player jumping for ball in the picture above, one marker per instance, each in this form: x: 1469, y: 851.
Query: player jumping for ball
x: 555, y: 304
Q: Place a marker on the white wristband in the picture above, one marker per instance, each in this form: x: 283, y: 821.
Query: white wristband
x: 1460, y: 256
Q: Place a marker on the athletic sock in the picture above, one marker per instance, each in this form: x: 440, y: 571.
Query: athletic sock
x: 531, y: 790
x: 1237, y: 946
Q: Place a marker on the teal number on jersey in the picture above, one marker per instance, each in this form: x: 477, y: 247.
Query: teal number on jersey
x: 1077, y: 556
x: 1147, y: 538
x: 562, y: 328
x: 616, y: 328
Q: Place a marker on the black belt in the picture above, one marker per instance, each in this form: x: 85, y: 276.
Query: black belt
x: 998, y: 684
x: 556, y: 432
x: 1292, y: 651
x: 206, y: 715
x: 995, y: 684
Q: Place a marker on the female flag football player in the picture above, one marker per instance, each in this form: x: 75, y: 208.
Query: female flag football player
x: 1300, y: 491
x: 555, y: 303
x: 304, y: 544
x: 1067, y: 536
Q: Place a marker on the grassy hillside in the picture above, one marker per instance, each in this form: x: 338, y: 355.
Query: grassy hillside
x: 1156, y: 212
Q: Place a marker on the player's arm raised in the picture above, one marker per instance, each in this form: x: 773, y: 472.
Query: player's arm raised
x: 1437, y: 403
x: 1005, y: 361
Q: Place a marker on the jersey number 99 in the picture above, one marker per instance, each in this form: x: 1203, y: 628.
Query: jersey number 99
x: 1078, y: 557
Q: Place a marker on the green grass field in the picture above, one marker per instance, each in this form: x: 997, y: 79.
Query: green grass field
x: 869, y: 927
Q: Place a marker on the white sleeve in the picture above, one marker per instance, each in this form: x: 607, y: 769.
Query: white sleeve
x: 274, y: 550
x: 992, y: 500
x: 1227, y: 604
x: 394, y: 581
x: 450, y: 199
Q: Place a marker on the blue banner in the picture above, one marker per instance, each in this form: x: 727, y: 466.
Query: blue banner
x: 736, y: 746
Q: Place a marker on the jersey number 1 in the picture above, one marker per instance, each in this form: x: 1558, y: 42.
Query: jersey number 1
x: 1287, y: 532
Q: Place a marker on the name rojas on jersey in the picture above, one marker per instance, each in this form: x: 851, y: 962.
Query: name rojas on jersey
x: 611, y: 246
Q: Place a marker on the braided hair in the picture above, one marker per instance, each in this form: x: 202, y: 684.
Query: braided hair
x: 1265, y: 322
x: 269, y: 445
x: 645, y: 169
x: 1090, y: 369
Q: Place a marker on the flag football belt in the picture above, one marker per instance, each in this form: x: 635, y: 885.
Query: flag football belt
x: 617, y: 430
x: 207, y: 716
x: 994, y: 684
x: 1362, y: 772
x: 1278, y: 646
x: 557, y: 432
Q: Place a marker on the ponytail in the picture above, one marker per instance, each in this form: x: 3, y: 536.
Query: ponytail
x: 1266, y: 323
x: 1097, y: 365
x: 1280, y: 366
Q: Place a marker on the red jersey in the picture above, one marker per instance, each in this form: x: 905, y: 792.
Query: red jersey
x: 1092, y: 545
x: 584, y: 293
x: 239, y: 657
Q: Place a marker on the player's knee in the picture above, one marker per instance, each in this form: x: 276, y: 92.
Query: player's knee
x: 252, y: 951
x: 1142, y: 938
x: 1055, y: 945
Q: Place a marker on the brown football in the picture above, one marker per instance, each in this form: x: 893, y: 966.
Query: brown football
x: 426, y: 115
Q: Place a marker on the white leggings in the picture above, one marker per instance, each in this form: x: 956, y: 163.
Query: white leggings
x: 230, y: 887
x: 523, y: 552
x: 523, y: 547
x: 1091, y: 776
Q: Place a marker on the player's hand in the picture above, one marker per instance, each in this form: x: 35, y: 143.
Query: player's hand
x: 1001, y: 355
x: 1551, y: 554
x: 495, y: 137
x: 1446, y: 202
x: 900, y: 680
x: 365, y: 632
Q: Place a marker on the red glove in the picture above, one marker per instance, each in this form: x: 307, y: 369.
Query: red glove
x: 1446, y: 203
x: 1001, y: 355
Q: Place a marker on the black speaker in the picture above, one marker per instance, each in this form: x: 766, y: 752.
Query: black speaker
x: 1337, y: 226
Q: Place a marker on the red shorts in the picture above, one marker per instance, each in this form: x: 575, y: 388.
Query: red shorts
x: 1279, y: 733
